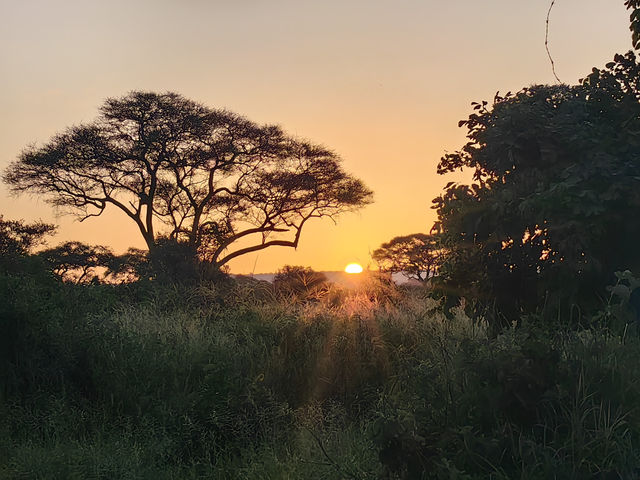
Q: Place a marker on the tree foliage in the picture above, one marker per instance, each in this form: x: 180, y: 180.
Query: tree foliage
x: 19, y: 238
x: 634, y: 26
x: 556, y: 186
x: 207, y: 178
x: 131, y: 266
x: 77, y: 262
x: 417, y: 256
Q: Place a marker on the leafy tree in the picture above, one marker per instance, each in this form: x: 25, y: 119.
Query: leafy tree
x: 206, y: 178
x: 556, y: 187
x: 19, y: 238
x: 77, y: 262
x: 417, y: 256
x: 169, y: 262
x: 296, y: 280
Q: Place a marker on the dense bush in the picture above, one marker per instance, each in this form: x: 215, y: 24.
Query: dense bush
x: 547, y: 218
x: 300, y: 282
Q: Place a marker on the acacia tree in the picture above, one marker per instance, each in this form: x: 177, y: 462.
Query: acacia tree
x: 417, y: 256
x: 76, y: 262
x: 203, y: 177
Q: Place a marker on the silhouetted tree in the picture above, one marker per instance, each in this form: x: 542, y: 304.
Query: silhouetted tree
x: 19, y: 238
x: 202, y: 177
x: 77, y: 262
x: 417, y: 256
x: 556, y: 188
x: 297, y: 280
x: 131, y: 266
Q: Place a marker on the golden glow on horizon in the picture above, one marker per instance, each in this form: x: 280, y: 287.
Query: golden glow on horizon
x: 353, y: 268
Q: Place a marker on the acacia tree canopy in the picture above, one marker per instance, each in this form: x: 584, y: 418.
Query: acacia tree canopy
x: 204, y: 177
x: 417, y: 255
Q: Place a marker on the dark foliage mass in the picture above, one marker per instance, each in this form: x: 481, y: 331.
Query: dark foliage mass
x: 202, y: 177
x: 19, y: 238
x: 550, y: 215
x: 78, y: 262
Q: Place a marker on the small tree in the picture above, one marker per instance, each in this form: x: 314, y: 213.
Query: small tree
x: 19, y: 238
x: 296, y: 280
x: 417, y: 256
x: 205, y: 178
x: 77, y: 262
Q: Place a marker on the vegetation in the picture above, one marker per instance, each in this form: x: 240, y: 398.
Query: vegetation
x: 18, y: 238
x: 225, y: 381
x: 77, y: 262
x: 634, y: 25
x: 517, y: 361
x: 547, y: 220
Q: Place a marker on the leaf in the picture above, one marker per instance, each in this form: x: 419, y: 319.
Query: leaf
x: 620, y: 290
x: 628, y: 276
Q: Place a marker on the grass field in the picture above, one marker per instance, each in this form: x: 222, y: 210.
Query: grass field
x: 234, y: 381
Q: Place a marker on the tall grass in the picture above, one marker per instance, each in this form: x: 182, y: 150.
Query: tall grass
x: 233, y: 381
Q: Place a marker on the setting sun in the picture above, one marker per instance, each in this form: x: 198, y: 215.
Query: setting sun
x: 353, y: 268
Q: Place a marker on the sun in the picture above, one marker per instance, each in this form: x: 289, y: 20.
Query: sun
x: 353, y: 268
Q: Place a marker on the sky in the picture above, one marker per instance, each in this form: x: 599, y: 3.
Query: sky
x: 382, y: 83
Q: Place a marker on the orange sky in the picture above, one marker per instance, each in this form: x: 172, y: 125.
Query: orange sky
x: 383, y: 83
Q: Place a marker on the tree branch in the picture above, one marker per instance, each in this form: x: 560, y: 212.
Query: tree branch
x: 281, y: 243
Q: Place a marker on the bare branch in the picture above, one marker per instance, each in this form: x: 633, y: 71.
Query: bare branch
x: 546, y: 42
